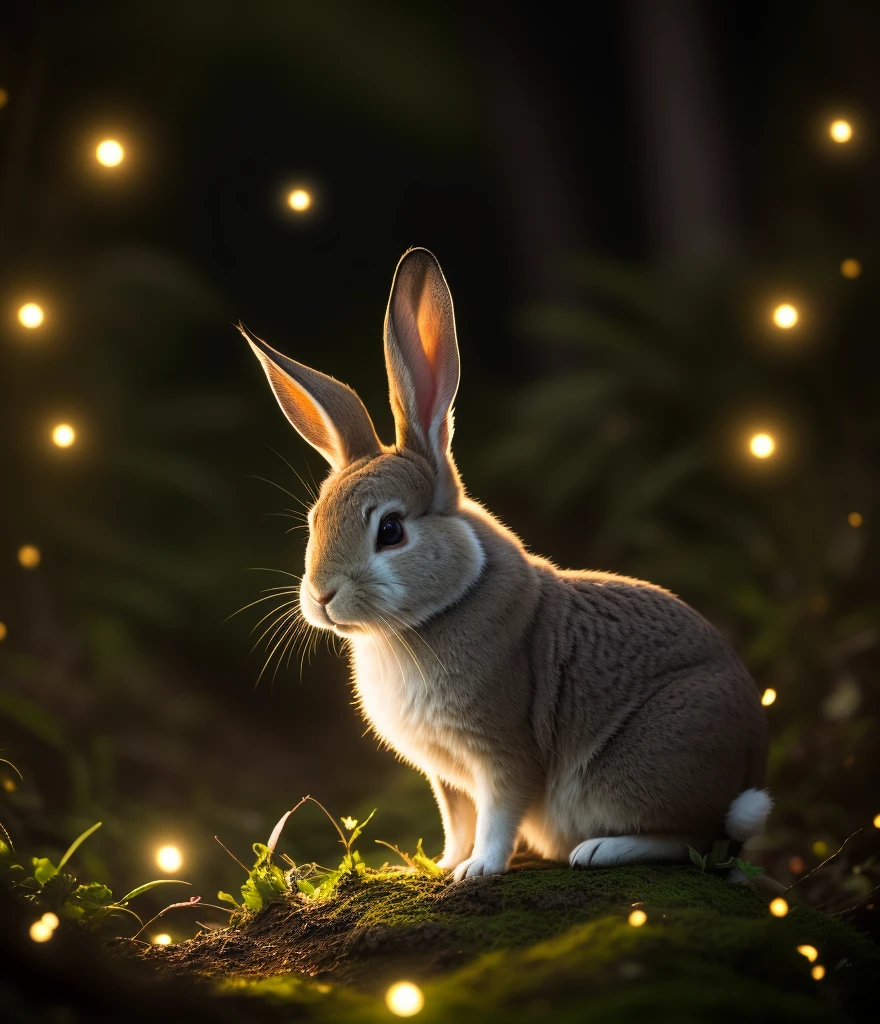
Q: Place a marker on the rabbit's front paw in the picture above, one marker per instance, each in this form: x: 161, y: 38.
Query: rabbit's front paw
x: 476, y: 865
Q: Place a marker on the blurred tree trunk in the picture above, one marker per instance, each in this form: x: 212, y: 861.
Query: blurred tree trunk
x: 689, y: 194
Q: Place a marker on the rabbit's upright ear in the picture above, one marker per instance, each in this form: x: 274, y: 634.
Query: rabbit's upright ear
x: 421, y: 354
x: 327, y: 413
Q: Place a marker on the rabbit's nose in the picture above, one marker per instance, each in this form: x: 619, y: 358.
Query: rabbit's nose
x: 325, y: 599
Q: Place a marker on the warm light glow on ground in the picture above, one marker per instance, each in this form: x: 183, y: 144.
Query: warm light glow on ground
x: 109, y: 153
x: 810, y: 952
x: 855, y: 519
x: 299, y: 200
x: 851, y: 269
x: 637, y: 918
x: 769, y: 697
x: 29, y: 556
x: 63, y: 435
x: 169, y: 858
x: 762, y: 446
x: 840, y: 130
x: 162, y: 940
x: 404, y: 999
x: 818, y: 972
x: 778, y: 907
x: 31, y: 315
x: 785, y: 316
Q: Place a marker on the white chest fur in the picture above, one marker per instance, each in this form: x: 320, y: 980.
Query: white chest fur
x: 406, y: 700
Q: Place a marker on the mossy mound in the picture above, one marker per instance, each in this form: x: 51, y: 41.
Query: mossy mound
x: 535, y: 943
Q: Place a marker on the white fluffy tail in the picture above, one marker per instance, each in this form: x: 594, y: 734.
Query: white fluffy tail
x: 747, y: 814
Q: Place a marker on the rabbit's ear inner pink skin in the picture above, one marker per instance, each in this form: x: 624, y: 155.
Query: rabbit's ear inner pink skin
x: 327, y: 413
x: 421, y: 356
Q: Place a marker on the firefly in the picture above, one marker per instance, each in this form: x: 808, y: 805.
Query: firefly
x: 405, y: 999
x: 169, y: 858
x: 31, y: 315
x: 299, y: 200
x: 109, y: 153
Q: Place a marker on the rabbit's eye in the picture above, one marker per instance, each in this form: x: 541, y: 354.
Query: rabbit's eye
x: 391, y: 533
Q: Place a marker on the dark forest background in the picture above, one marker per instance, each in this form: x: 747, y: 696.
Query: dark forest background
x: 619, y: 202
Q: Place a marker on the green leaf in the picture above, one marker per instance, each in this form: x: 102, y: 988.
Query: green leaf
x: 360, y: 826
x: 226, y: 898
x: 425, y: 864
x: 44, y: 869
x: 75, y: 844
x: 305, y: 887
x: 698, y: 860
x: 263, y: 854
x: 149, y: 885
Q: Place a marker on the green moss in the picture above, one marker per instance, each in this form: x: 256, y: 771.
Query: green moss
x: 551, y: 942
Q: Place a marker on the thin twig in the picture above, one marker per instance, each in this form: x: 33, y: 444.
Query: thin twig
x: 824, y: 862
x: 232, y: 855
x: 861, y: 901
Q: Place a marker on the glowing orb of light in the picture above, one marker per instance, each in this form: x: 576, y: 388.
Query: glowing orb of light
x: 840, y: 130
x: 4, y: 97
x: 637, y: 918
x: 404, y: 998
x: 877, y: 821
x: 851, y: 268
x: 762, y: 446
x: 29, y: 556
x: 63, y: 435
x: 855, y: 519
x: 31, y: 315
x: 2, y: 631
x: 50, y: 919
x: 768, y: 697
x: 785, y: 316
x: 169, y: 858
x: 109, y: 153
x: 299, y: 200
x: 810, y: 952
x: 778, y: 907
x: 40, y: 932
x: 162, y: 940
x: 820, y: 848
x: 818, y: 972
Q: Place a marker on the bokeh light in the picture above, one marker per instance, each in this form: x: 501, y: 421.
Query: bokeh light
x: 785, y: 316
x: 169, y: 858
x: 109, y: 153
x: 162, y: 940
x: 4, y: 98
x: 768, y: 697
x: 299, y: 200
x: 877, y: 821
x: 50, y: 919
x: 851, y: 268
x: 840, y: 130
x: 797, y: 865
x: 405, y: 999
x: 63, y: 435
x: 855, y: 519
x: 818, y: 972
x: 820, y: 848
x: 40, y: 931
x: 810, y: 952
x: 778, y: 907
x: 762, y: 446
x: 31, y: 315
x: 637, y: 918
x: 29, y: 556
x: 2, y: 631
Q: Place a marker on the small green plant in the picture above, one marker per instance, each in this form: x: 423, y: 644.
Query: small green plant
x: 267, y: 881
x: 53, y: 889
x: 719, y: 859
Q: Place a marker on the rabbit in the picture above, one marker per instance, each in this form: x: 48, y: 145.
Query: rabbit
x: 592, y: 717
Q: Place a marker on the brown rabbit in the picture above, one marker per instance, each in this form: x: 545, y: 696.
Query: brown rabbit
x: 596, y: 717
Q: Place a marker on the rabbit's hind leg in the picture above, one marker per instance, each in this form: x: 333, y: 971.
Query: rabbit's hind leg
x: 638, y: 849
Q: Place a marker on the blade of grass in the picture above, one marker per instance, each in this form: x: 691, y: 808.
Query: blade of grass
x: 71, y: 850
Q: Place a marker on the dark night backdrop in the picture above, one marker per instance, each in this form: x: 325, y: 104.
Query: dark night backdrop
x: 618, y: 203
